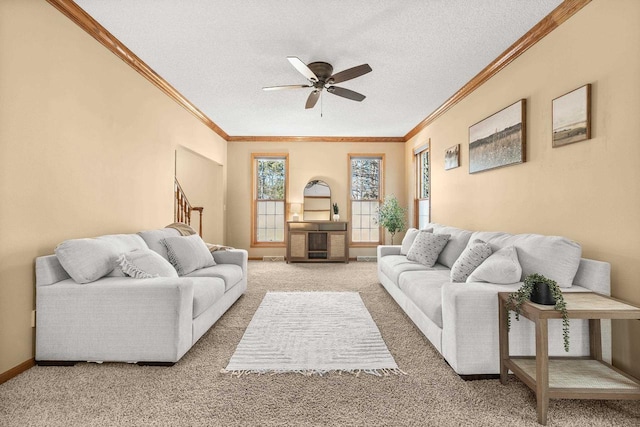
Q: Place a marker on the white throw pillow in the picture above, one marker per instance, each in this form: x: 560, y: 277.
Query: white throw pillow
x: 426, y: 247
x: 188, y: 253
x: 502, y: 268
x: 469, y: 260
x: 408, y: 239
x: 87, y: 260
x: 145, y: 264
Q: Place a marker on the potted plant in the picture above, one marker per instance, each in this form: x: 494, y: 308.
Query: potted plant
x: 540, y: 290
x: 391, y: 216
x: 336, y: 210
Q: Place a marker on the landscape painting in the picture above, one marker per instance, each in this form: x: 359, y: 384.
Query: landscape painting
x: 571, y: 116
x: 498, y: 140
x: 452, y: 157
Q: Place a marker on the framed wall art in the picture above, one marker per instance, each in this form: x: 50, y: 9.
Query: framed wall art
x: 572, y: 116
x: 452, y: 157
x: 498, y: 140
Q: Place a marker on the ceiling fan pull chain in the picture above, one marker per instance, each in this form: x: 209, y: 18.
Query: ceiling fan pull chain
x: 321, y: 105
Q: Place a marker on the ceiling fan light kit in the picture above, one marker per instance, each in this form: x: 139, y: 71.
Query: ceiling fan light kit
x: 320, y: 75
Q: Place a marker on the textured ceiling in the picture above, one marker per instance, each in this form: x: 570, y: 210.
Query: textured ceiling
x: 219, y: 54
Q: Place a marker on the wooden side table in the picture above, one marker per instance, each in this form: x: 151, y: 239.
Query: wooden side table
x: 568, y: 377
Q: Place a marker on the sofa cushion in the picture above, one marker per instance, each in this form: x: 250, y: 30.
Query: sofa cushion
x: 473, y: 255
x: 154, y: 238
x: 426, y: 248
x: 145, y: 264
x: 501, y: 268
x: 555, y: 257
x: 408, y: 239
x: 458, y: 240
x: 123, y: 243
x: 230, y: 273
x: 425, y: 290
x: 393, y: 266
x: 87, y: 260
x: 206, y: 292
x: 188, y: 253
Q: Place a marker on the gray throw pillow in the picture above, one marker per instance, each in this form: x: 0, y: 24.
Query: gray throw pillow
x: 145, y: 264
x: 469, y: 260
x: 87, y: 260
x: 501, y: 268
x: 188, y: 253
x: 426, y: 247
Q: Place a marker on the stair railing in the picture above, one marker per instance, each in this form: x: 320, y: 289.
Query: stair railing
x: 182, y: 208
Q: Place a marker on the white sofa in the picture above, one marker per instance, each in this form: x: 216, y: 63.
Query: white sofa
x: 124, y: 319
x: 461, y: 319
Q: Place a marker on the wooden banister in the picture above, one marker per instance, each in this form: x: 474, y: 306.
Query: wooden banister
x: 182, y: 208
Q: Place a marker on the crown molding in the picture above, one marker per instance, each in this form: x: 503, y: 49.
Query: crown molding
x: 560, y: 14
x: 74, y: 12
x: 316, y: 139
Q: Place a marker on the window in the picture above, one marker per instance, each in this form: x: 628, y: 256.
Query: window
x: 423, y: 186
x: 365, y: 173
x: 269, y: 198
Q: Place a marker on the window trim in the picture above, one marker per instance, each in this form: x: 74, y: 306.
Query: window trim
x: 417, y: 153
x: 254, y: 200
x: 351, y: 156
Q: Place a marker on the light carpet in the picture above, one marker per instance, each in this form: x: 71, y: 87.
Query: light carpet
x: 194, y: 393
x: 312, y: 333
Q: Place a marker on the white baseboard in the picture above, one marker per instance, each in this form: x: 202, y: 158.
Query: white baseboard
x: 273, y: 258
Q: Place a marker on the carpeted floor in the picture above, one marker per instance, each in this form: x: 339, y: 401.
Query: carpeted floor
x: 195, y: 393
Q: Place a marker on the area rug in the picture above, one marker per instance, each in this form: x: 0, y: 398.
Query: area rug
x: 312, y: 333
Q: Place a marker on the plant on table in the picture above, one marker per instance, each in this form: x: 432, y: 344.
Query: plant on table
x: 336, y: 210
x: 517, y: 298
x: 391, y: 216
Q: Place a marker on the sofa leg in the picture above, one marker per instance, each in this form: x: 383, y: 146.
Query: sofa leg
x: 167, y: 364
x: 56, y: 362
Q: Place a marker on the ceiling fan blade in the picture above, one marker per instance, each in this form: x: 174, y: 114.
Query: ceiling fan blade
x: 346, y: 93
x: 349, y: 74
x: 302, y: 68
x: 285, y: 87
x: 312, y: 99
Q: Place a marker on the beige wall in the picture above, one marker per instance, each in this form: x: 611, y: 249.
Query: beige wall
x: 307, y: 160
x: 588, y: 191
x: 86, y: 148
x: 202, y: 181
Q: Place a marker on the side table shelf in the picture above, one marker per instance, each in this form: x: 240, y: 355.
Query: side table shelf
x: 568, y: 377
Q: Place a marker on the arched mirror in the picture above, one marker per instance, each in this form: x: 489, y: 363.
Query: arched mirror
x: 317, y: 201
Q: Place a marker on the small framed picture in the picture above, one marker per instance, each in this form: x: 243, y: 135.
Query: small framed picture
x: 572, y: 116
x: 452, y: 157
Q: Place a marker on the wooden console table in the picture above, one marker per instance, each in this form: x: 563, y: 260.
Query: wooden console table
x: 568, y: 377
x: 317, y: 241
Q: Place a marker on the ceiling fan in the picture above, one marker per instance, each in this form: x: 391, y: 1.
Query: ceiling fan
x: 320, y: 77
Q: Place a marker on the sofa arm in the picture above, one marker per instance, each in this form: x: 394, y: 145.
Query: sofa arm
x: 115, y: 319
x: 384, y: 250
x: 470, y: 339
x: 233, y: 256
x: 470, y: 326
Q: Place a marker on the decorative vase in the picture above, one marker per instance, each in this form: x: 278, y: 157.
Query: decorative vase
x: 336, y: 217
x: 540, y: 294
